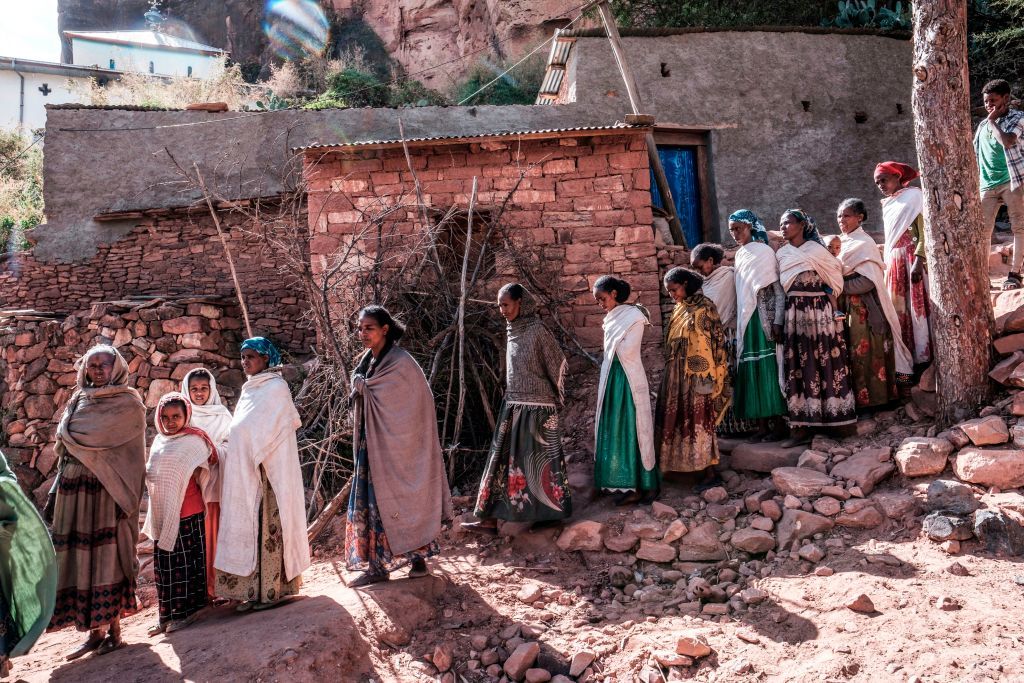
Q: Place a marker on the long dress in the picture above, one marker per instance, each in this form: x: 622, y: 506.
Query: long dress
x: 694, y: 389
x: 525, y: 478
x: 760, y: 303
x: 624, y: 455
x: 398, y: 460
x: 101, y: 441
x: 720, y: 287
x: 904, y: 241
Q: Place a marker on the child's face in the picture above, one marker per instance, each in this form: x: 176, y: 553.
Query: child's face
x: 172, y: 418
x: 199, y: 390
x: 835, y: 246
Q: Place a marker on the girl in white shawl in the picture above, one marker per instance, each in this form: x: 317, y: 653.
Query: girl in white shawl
x: 181, y: 476
x: 720, y: 286
x: 813, y: 370
x: 760, y: 307
x: 624, y: 457
x: 208, y: 410
x: 262, y: 549
x: 879, y: 360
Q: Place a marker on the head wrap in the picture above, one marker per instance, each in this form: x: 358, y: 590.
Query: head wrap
x: 810, y: 227
x: 904, y: 172
x: 264, y: 347
x: 757, y: 230
x: 119, y: 374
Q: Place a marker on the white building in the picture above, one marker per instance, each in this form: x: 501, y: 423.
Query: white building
x: 27, y: 86
x: 146, y: 51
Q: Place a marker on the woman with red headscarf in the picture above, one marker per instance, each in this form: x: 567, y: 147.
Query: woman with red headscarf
x: 904, y: 255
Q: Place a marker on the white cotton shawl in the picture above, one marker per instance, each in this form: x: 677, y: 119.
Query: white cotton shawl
x: 262, y: 434
x: 720, y: 287
x: 860, y: 255
x: 172, y: 461
x: 756, y: 268
x: 809, y: 256
x: 623, y: 334
x: 214, y: 418
x: 898, y: 213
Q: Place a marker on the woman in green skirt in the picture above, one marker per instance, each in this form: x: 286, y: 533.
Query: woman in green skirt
x: 760, y: 303
x: 624, y: 457
x: 525, y: 478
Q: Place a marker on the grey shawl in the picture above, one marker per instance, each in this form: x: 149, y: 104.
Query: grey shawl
x: 396, y: 408
x: 534, y: 364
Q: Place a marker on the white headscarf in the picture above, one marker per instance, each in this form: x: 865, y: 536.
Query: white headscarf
x: 720, y: 287
x: 214, y: 418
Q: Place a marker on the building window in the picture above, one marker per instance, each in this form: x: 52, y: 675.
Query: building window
x: 152, y: 69
x: 189, y: 74
x: 112, y: 66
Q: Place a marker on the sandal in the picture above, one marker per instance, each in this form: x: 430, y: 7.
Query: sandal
x: 1012, y: 281
x: 480, y: 528
x: 418, y: 568
x: 88, y: 646
x: 155, y: 630
x: 368, y: 579
x: 110, y: 643
x: 178, y: 624
x: 245, y: 606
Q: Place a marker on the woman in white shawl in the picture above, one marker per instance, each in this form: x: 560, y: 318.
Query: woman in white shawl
x: 262, y: 549
x: 720, y: 287
x: 904, y: 255
x: 624, y: 457
x: 181, y: 476
x: 879, y: 360
x: 760, y: 307
x: 813, y: 370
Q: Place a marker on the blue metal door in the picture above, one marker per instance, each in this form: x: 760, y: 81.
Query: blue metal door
x: 680, y: 165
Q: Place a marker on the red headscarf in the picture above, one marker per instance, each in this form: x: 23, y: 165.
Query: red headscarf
x: 175, y: 396
x: 904, y: 172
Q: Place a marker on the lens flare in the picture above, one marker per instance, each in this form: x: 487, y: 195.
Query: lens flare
x: 295, y: 28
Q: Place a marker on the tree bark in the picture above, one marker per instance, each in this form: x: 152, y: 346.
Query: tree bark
x: 961, y: 307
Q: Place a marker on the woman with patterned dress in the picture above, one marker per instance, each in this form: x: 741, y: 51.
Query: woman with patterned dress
x: 879, y: 360
x: 624, y: 457
x: 813, y: 365
x: 695, y: 386
x: 761, y: 305
x: 904, y: 255
x: 524, y: 479
x: 101, y: 441
x: 399, y: 486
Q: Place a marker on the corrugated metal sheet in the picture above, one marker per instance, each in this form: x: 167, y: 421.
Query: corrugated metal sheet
x: 552, y: 80
x: 144, y: 38
x: 561, y: 47
x: 495, y: 134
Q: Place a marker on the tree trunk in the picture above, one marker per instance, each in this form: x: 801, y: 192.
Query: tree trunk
x: 961, y: 308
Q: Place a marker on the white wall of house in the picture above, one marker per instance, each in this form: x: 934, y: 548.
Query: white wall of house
x: 62, y: 89
x: 165, y: 61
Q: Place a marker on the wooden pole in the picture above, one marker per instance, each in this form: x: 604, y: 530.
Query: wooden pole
x: 675, y: 226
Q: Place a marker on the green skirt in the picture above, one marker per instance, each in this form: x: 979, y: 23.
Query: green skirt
x: 757, y: 393
x: 617, y: 463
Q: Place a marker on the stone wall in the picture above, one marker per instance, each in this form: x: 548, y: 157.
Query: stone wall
x: 178, y: 255
x: 162, y: 339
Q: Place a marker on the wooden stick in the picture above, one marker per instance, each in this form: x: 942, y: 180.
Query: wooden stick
x: 327, y: 514
x: 461, y: 404
x: 227, y: 249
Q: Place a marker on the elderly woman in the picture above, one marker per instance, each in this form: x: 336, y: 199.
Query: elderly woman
x: 262, y: 548
x: 181, y: 477
x: 879, y: 360
x: 814, y: 371
x: 904, y: 254
x: 624, y: 458
x: 524, y: 479
x: 695, y: 387
x: 397, y: 459
x: 101, y: 441
x: 761, y: 304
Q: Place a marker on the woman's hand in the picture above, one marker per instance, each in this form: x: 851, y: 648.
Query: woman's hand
x: 51, y: 504
x: 917, y: 270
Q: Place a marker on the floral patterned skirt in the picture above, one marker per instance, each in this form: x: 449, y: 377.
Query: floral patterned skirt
x: 366, y: 543
x: 910, y: 299
x: 872, y: 356
x: 524, y: 479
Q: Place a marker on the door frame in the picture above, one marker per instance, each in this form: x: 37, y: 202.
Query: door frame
x: 672, y: 135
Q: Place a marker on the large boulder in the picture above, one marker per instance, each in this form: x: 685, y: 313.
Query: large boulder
x: 1003, y: 469
x: 1001, y: 532
x: 986, y: 431
x: 752, y: 541
x: 701, y: 544
x: 797, y: 525
x: 763, y: 457
x: 865, y: 468
x: 940, y: 526
x: 951, y: 496
x: 800, y: 481
x: 922, y: 456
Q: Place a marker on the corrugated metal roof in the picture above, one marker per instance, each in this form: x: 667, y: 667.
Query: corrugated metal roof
x: 36, y: 66
x: 496, y: 134
x: 685, y: 30
x: 145, y: 39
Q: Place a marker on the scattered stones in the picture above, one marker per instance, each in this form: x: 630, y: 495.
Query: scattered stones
x: 800, y: 481
x: 771, y: 510
x: 797, y: 525
x: 811, y: 553
x: 860, y: 513
x: 922, y: 456
x: 582, y: 535
x: 1001, y: 533
x: 952, y: 496
x: 861, y: 603
x: 715, y: 494
x: 653, y: 551
x: 866, y: 468
x: 530, y: 593
x: 939, y: 526
x: 763, y: 457
x: 753, y: 541
x: 580, y: 661
x: 693, y: 645
x: 1002, y: 469
x: 676, y: 530
x: 986, y: 431
x: 521, y: 660
x: 826, y: 506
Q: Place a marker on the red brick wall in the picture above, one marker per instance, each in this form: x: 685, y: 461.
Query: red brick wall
x: 585, y: 201
x: 180, y: 255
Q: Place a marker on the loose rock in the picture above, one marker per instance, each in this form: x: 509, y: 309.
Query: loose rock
x: 800, y: 481
x: 1002, y: 469
x: 921, y: 456
x: 653, y: 551
x: 986, y: 431
x: 580, y: 661
x: 693, y: 645
x: 939, y: 526
x: 797, y: 525
x: 861, y: 603
x: 520, y: 660
x: 753, y: 541
x: 866, y: 468
x: 952, y: 496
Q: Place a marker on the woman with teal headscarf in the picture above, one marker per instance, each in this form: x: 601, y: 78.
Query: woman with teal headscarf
x: 28, y: 571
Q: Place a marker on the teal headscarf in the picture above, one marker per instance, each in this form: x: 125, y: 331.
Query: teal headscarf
x: 757, y: 230
x: 264, y: 347
x: 810, y: 227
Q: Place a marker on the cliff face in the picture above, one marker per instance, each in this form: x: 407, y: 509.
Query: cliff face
x: 414, y: 33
